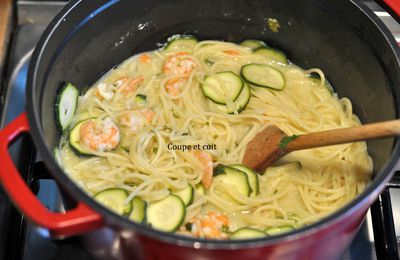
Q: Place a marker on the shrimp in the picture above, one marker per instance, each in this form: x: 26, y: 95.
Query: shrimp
x: 211, y: 225
x: 231, y: 52
x: 145, y: 58
x: 178, y: 64
x: 136, y: 119
x: 207, y: 162
x: 129, y: 85
x: 104, y: 91
x: 173, y: 86
x: 100, y: 137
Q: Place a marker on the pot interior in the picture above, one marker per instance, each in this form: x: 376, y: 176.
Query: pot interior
x: 333, y: 35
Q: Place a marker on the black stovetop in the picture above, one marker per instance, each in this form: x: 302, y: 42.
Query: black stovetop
x: 21, y: 240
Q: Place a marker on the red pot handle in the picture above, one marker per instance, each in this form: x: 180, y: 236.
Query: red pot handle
x: 73, y: 222
x: 394, y: 5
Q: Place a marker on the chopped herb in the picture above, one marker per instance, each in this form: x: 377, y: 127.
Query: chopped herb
x: 286, y: 140
x: 273, y: 25
x: 189, y: 226
x: 125, y: 148
x: 225, y: 229
x: 275, y: 191
x: 227, y: 150
x: 209, y: 62
x: 219, y: 169
x: 236, y: 144
x: 155, y: 150
x: 186, y: 133
x: 140, y: 99
x: 175, y: 114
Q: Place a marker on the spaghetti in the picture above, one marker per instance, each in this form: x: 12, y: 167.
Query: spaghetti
x: 303, y: 187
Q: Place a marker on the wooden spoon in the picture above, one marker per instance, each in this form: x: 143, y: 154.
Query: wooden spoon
x: 272, y: 143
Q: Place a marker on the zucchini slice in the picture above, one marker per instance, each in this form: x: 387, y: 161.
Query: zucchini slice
x: 140, y: 99
x: 222, y: 86
x: 186, y: 195
x: 278, y: 230
x: 295, y: 218
x: 241, y: 102
x: 295, y: 165
x: 253, y: 44
x: 200, y: 189
x: 287, y: 167
x: 247, y: 233
x: 252, y: 176
x: 167, y: 214
x: 138, y: 213
x: 273, y: 54
x: 234, y: 178
x: 181, y: 43
x: 113, y: 199
x: 66, y: 103
x: 74, y: 139
x: 263, y: 76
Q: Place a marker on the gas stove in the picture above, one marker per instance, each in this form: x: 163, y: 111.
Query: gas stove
x: 378, y: 238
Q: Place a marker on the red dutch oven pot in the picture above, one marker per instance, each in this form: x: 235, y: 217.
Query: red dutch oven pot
x: 343, y: 37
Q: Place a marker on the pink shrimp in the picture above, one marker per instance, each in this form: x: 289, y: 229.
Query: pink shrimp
x: 104, y: 91
x: 173, y: 86
x: 178, y: 64
x: 136, y: 119
x: 231, y: 52
x: 145, y: 58
x: 129, y: 85
x: 207, y: 162
x: 102, y: 137
x: 210, y: 225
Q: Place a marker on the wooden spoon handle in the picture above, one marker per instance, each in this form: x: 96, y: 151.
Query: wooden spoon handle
x: 345, y: 135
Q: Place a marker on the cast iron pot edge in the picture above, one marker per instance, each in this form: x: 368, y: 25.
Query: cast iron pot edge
x: 367, y: 197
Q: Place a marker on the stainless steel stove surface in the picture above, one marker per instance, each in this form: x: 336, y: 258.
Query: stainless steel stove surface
x: 21, y: 240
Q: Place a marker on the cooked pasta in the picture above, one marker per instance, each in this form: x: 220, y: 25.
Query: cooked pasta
x: 151, y: 130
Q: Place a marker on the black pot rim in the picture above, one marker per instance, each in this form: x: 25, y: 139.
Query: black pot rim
x: 366, y: 198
